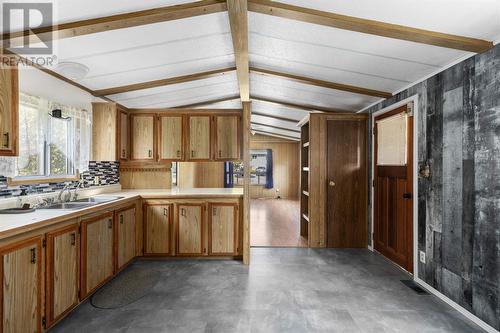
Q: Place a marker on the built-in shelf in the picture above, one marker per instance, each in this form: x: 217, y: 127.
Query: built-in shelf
x: 305, y: 169
x: 304, y: 177
x: 305, y: 193
x: 305, y: 145
x: 305, y: 217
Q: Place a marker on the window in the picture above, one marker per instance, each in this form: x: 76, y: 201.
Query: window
x: 391, y: 140
x: 260, y: 161
x: 48, y: 146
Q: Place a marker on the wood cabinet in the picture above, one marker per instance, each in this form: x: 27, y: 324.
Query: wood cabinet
x: 157, y: 229
x: 104, y: 132
x: 227, y: 137
x: 222, y: 228
x: 124, y: 135
x: 9, y: 104
x: 171, y: 137
x: 96, y: 252
x: 199, y: 135
x: 190, y: 224
x: 21, y: 275
x: 143, y: 133
x: 62, y: 272
x: 125, y: 236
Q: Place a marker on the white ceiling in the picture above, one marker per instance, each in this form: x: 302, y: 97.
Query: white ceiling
x: 203, y: 43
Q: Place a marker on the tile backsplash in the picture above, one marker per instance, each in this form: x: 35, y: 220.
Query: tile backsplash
x: 108, y: 173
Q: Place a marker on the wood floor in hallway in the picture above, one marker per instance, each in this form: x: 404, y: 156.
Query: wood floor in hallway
x: 275, y: 222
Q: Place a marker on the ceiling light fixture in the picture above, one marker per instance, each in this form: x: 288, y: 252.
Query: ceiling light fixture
x: 72, y: 70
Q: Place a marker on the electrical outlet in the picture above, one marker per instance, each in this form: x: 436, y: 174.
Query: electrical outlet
x: 422, y: 257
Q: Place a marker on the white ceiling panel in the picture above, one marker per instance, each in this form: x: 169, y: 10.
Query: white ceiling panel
x: 233, y: 104
x: 275, y: 130
x: 277, y: 110
x: 274, y: 122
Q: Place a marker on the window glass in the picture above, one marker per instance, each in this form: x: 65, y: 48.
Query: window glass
x: 258, y: 172
x: 31, y: 141
x: 59, y: 147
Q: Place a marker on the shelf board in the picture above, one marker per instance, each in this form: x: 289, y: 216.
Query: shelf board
x: 305, y: 169
x: 305, y: 193
x: 305, y: 144
x: 305, y: 217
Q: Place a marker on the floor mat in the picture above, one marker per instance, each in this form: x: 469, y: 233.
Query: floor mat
x: 415, y: 287
x: 128, y: 287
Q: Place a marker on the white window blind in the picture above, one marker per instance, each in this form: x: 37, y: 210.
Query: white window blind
x: 391, y: 140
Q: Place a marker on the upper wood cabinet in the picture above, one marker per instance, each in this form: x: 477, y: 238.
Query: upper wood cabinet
x: 97, y: 255
x: 143, y: 133
x: 9, y: 104
x: 62, y: 258
x: 125, y: 236
x: 158, y: 229
x: 124, y: 135
x: 222, y: 228
x: 199, y: 135
x: 227, y: 137
x: 171, y: 137
x: 21, y: 286
x: 190, y: 220
x: 104, y: 132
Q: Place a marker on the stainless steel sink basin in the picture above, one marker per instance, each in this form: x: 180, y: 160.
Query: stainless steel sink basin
x: 70, y: 205
x: 100, y: 199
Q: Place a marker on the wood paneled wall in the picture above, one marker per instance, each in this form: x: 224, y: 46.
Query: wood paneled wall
x: 131, y: 178
x: 285, y: 167
x: 200, y: 174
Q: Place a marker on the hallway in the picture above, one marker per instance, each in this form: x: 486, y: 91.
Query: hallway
x: 284, y: 290
x: 275, y: 223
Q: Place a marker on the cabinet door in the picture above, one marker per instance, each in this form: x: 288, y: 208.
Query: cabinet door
x: 104, y: 132
x: 171, y: 138
x: 97, y: 252
x: 124, y: 135
x: 9, y: 97
x: 21, y: 286
x: 227, y: 141
x: 142, y: 136
x: 222, y: 228
x: 157, y: 229
x: 190, y: 229
x: 199, y: 138
x: 125, y: 239
x: 62, y: 272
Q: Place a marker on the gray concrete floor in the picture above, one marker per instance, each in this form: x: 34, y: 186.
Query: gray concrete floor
x: 284, y: 290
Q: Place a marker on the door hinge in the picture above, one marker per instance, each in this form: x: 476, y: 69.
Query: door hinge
x: 44, y: 243
x: 44, y: 323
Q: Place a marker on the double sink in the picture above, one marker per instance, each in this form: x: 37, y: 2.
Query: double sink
x: 82, y: 203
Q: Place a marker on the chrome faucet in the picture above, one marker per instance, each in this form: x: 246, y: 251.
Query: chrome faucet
x: 78, y: 185
x: 65, y: 188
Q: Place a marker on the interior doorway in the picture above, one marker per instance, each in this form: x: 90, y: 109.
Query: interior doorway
x: 393, y: 186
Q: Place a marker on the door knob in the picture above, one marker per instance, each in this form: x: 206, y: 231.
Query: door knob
x: 331, y: 183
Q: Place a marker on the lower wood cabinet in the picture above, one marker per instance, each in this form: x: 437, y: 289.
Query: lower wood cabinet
x: 157, y: 229
x: 222, y: 228
x: 125, y: 236
x: 190, y: 224
x: 21, y: 286
x: 62, y: 258
x: 97, y: 265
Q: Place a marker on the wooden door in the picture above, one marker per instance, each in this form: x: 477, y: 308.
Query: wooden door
x: 157, y: 229
x: 124, y: 135
x: 199, y: 137
x: 142, y: 134
x: 347, y: 184
x: 227, y: 143
x: 190, y: 221
x: 62, y: 258
x: 21, y: 272
x: 97, y: 252
x: 222, y: 228
x: 125, y: 236
x: 9, y: 100
x: 171, y: 138
x: 393, y: 187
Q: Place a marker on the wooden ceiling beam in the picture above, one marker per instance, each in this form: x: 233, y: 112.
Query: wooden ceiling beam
x: 324, y: 84
x: 238, y: 20
x: 275, y: 117
x: 303, y: 107
x: 276, y: 127
x: 276, y: 134
x: 164, y: 82
x: 369, y: 26
x: 114, y: 22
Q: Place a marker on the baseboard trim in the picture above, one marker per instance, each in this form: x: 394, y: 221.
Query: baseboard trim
x: 456, y: 306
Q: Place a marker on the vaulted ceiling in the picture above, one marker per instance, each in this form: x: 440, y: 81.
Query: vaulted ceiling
x: 155, y: 64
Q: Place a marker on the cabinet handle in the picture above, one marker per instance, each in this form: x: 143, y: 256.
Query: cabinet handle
x: 165, y: 211
x: 73, y: 239
x: 123, y: 153
x: 192, y: 153
x: 121, y: 219
x: 178, y: 153
x: 150, y: 153
x: 7, y: 143
x: 110, y: 224
x: 220, y: 153
x: 183, y: 212
x: 33, y: 255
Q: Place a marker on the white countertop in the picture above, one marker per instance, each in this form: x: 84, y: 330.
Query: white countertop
x: 13, y: 223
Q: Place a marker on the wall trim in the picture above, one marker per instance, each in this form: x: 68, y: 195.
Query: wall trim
x: 479, y: 322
